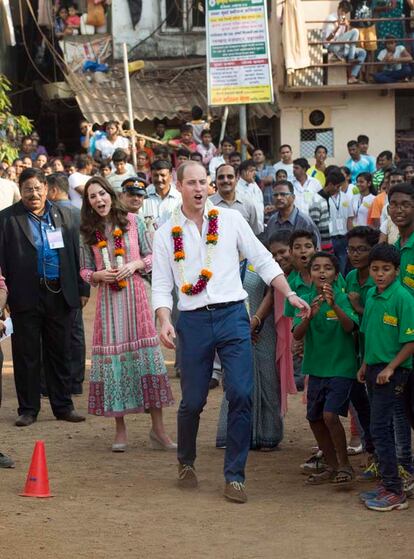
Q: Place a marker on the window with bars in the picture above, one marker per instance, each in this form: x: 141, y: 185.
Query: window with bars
x: 310, y: 138
x: 183, y: 15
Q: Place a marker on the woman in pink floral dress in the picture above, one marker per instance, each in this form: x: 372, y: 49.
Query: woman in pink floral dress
x: 128, y: 373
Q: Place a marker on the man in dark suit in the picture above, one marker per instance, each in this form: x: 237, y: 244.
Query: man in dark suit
x: 39, y: 258
x: 58, y: 193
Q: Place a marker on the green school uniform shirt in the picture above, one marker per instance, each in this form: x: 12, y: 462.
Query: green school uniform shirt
x: 407, y: 263
x: 303, y: 289
x: 388, y: 324
x: 329, y: 350
x: 352, y: 285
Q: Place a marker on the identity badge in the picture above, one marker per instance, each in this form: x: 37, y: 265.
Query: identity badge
x: 54, y: 238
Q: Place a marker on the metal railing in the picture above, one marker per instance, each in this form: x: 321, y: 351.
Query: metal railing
x: 407, y: 41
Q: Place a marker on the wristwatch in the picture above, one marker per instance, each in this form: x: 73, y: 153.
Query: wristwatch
x: 288, y: 295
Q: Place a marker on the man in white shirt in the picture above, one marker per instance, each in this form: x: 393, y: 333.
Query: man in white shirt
x: 79, y: 178
x: 197, y: 251
x: 227, y: 196
x: 248, y: 188
x: 286, y: 161
x: 341, y: 214
x: 9, y: 193
x: 305, y: 187
x: 162, y: 196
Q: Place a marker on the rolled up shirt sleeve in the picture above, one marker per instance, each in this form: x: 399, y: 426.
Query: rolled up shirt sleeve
x: 162, y: 274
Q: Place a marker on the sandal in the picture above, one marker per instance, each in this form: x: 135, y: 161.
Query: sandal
x: 324, y: 477
x: 344, y: 476
x: 354, y: 450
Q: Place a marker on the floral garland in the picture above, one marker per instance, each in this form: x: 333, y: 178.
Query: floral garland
x: 179, y: 253
x: 119, y: 253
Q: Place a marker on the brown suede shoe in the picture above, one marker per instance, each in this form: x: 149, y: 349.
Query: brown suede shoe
x: 187, y: 477
x: 234, y: 491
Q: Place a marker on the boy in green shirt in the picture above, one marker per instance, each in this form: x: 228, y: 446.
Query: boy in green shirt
x: 388, y: 325
x: 358, y: 282
x: 401, y: 211
x: 330, y: 361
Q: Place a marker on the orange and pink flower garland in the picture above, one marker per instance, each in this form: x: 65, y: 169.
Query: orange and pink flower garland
x: 179, y: 254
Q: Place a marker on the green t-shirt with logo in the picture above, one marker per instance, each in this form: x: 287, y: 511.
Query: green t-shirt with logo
x: 329, y: 350
x: 407, y: 263
x: 352, y: 285
x: 387, y: 324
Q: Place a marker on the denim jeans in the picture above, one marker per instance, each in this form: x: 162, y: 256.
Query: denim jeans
x: 350, y: 51
x: 340, y: 244
x: 393, y: 76
x: 202, y: 333
x: 360, y: 402
x: 384, y: 400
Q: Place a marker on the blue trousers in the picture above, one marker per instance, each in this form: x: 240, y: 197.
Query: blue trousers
x: 201, y: 333
x: 340, y: 244
x: 392, y: 76
x: 384, y: 399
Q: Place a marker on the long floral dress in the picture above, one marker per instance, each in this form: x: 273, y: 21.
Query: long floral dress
x: 128, y: 373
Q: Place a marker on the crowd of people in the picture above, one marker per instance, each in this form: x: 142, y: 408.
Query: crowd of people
x: 269, y: 277
x: 374, y: 37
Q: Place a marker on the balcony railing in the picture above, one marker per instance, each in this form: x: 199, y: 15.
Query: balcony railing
x: 327, y: 73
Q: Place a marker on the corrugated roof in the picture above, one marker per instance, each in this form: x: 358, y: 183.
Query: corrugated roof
x: 162, y: 90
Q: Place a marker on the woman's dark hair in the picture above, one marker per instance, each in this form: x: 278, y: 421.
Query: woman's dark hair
x: 370, y: 235
x: 91, y: 221
x: 368, y: 178
x: 385, y: 253
x: 329, y: 256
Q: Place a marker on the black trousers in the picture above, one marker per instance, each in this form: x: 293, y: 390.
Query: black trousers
x: 43, y: 331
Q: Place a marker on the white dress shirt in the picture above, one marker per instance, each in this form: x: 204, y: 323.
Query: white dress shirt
x: 214, y: 163
x: 235, y: 238
x: 157, y: 209
x: 340, y: 209
x: 9, y: 193
x: 252, y: 192
x: 75, y: 180
x: 304, y: 193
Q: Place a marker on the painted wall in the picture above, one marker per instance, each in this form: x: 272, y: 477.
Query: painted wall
x: 162, y: 44
x: 351, y: 114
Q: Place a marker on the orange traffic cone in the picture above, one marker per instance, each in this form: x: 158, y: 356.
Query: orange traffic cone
x: 37, y: 482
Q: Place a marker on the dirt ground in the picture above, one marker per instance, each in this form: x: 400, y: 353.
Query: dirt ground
x: 122, y: 506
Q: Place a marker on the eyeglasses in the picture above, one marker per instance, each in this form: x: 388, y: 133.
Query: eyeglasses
x: 358, y: 250
x: 36, y: 190
x: 283, y: 194
x: 406, y: 206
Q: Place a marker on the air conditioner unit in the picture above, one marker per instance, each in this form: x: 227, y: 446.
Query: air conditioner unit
x: 316, y: 118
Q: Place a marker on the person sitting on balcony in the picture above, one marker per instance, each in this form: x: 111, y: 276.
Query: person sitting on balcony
x: 396, y: 60
x: 342, y: 41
